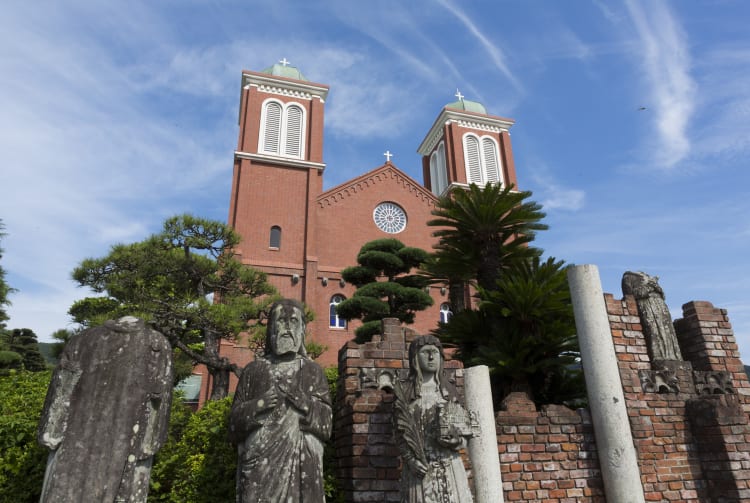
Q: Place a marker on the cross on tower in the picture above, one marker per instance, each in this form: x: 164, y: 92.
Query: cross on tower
x: 388, y: 156
x: 459, y: 95
x: 284, y: 62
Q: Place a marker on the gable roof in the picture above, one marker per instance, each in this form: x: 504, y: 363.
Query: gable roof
x: 369, y: 180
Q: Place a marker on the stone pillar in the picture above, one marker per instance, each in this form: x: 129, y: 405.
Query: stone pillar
x: 485, y: 461
x: 617, y: 457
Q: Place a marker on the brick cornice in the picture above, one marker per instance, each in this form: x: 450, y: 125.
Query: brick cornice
x: 364, y: 182
x: 284, y: 86
x: 471, y: 120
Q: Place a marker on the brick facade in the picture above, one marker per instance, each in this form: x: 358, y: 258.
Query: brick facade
x: 322, y: 231
x: 689, y: 419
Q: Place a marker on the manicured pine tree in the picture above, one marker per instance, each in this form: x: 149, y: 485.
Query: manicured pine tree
x: 385, y: 287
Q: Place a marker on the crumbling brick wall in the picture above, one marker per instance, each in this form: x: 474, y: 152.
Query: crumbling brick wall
x: 689, y: 419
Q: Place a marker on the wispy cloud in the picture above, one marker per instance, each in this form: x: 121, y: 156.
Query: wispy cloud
x: 496, y: 54
x: 664, y: 58
x: 552, y: 194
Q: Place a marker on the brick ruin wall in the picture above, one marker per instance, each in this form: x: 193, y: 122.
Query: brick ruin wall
x: 689, y: 419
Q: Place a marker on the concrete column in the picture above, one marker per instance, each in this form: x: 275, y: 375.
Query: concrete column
x: 485, y: 461
x: 614, y: 441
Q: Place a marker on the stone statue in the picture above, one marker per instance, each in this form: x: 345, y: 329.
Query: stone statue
x: 106, y: 413
x: 281, y: 416
x: 655, y: 318
x: 430, y: 426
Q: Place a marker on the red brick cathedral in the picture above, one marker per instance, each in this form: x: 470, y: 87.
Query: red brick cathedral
x: 303, y: 236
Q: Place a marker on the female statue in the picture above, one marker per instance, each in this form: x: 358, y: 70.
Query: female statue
x: 430, y: 426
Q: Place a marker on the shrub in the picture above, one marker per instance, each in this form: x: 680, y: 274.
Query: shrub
x: 197, y: 463
x: 22, y: 460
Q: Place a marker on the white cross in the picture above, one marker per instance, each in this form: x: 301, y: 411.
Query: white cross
x: 459, y: 95
x: 387, y: 155
x: 284, y: 62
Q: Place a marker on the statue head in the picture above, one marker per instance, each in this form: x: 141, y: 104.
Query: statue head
x: 285, y: 333
x: 641, y: 285
x: 425, y: 355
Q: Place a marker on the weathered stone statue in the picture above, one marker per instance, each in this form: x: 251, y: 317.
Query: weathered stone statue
x: 106, y: 413
x: 281, y: 416
x: 655, y: 318
x: 430, y: 426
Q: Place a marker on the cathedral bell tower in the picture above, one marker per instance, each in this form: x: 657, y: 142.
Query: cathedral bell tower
x: 278, y: 173
x: 467, y: 145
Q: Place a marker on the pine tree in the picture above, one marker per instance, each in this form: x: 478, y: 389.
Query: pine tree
x: 24, y: 342
x: 385, y: 289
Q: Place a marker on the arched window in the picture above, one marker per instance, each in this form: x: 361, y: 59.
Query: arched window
x: 442, y: 172
x: 271, y: 128
x: 282, y: 129
x: 445, y: 312
x: 334, y: 320
x: 438, y: 175
x: 294, y: 126
x: 482, y: 160
x: 275, y: 239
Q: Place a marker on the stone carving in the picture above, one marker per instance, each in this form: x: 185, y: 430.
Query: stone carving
x: 655, y: 318
x: 659, y: 381
x: 382, y: 379
x: 713, y: 383
x: 281, y: 416
x: 430, y: 426
x: 106, y: 413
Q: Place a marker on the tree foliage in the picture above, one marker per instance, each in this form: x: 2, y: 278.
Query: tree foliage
x: 197, y: 463
x: 23, y: 341
x: 385, y: 289
x: 168, y: 278
x: 5, y: 289
x: 61, y: 337
x: 523, y: 328
x: 481, y: 231
x: 524, y: 331
x: 22, y: 460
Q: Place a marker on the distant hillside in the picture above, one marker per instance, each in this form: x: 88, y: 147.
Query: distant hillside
x: 747, y: 371
x: 46, y: 349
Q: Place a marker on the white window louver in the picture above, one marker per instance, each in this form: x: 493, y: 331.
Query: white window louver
x: 434, y: 177
x: 293, y: 145
x: 442, y: 172
x: 491, y: 166
x: 473, y: 161
x: 272, y: 128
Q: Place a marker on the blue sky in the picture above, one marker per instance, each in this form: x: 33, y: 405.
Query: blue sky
x: 632, y: 123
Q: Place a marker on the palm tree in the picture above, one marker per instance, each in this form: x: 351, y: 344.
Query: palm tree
x: 524, y: 331
x: 481, y: 231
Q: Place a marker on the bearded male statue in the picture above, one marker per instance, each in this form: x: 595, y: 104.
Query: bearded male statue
x: 281, y: 416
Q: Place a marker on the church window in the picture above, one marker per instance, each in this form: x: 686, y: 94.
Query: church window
x: 294, y: 126
x: 438, y: 175
x: 271, y: 130
x: 334, y: 320
x: 482, y: 160
x: 282, y: 130
x: 445, y: 312
x: 275, y: 239
x: 389, y: 217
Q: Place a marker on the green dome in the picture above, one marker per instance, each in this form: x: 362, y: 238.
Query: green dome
x: 468, y: 105
x: 288, y: 71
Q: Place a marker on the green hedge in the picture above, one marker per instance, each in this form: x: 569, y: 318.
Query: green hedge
x: 22, y: 460
x: 196, y: 465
